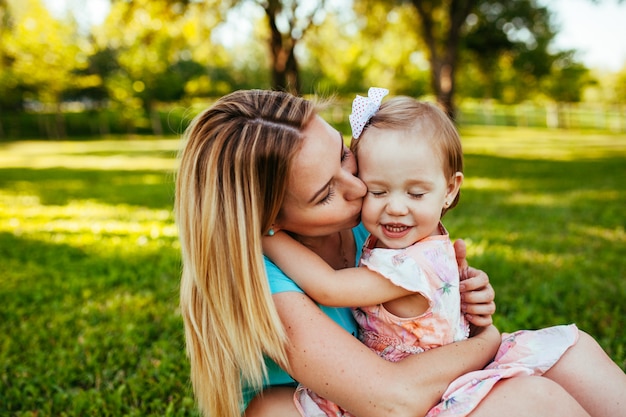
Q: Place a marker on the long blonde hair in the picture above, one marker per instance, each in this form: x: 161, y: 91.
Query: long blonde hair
x: 409, y: 114
x: 230, y: 186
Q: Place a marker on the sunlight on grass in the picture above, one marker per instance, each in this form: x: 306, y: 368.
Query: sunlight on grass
x: 555, y: 144
x: 511, y: 253
x: 564, y: 198
x: 132, y: 154
x: 491, y: 184
x: 85, y: 223
x: 123, y: 301
x: 617, y: 235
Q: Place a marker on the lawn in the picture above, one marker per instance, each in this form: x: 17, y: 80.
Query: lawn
x: 90, y: 260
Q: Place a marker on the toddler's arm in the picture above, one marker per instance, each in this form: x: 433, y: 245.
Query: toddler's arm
x: 347, y: 287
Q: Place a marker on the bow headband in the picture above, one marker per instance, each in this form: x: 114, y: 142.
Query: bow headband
x: 363, y: 108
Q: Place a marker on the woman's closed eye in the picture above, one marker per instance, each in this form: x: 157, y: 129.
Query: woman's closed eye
x: 347, y: 153
x: 328, y: 197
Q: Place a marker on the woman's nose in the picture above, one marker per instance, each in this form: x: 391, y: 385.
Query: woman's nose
x: 355, y: 188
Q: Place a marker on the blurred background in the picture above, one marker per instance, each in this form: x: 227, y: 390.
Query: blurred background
x: 96, y: 67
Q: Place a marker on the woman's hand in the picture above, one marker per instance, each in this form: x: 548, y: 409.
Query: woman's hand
x: 477, y: 294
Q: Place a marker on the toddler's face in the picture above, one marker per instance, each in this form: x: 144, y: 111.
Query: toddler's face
x: 406, y: 186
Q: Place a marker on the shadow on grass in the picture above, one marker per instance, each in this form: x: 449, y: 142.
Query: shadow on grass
x: 59, y: 186
x: 155, y: 188
x: 549, y: 175
x: 82, y: 329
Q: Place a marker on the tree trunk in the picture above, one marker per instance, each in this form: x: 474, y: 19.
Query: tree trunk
x: 292, y: 76
x: 284, y: 63
x: 443, y: 50
x: 444, y: 87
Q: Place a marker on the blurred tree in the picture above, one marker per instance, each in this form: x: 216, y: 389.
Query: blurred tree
x: 508, y: 42
x: 620, y: 86
x: 568, y: 79
x: 11, y: 88
x: 565, y: 86
x: 288, y: 21
x: 441, y: 24
x: 160, y: 48
x: 39, y: 56
x: 376, y: 46
x: 101, y: 63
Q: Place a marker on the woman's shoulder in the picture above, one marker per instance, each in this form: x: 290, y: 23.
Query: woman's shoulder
x: 278, y: 280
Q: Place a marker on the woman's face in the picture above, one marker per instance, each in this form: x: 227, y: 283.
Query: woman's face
x: 323, y: 194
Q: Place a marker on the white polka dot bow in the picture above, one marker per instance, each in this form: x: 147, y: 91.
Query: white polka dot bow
x: 363, y: 108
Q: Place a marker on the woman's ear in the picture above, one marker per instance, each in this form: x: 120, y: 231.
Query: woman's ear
x: 273, y: 229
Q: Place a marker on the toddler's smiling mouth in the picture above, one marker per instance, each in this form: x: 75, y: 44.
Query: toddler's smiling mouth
x: 395, y: 228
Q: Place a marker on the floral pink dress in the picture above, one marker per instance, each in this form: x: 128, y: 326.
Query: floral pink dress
x: 429, y: 267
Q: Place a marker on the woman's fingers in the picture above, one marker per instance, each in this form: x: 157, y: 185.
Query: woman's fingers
x: 477, y: 298
x: 473, y: 279
x: 480, y: 321
x: 461, y: 254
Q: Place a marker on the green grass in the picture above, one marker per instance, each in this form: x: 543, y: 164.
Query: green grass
x: 90, y: 262
x: 543, y: 214
x: 89, y: 289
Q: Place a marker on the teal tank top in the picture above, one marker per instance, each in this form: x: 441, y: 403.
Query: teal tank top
x: 279, y: 282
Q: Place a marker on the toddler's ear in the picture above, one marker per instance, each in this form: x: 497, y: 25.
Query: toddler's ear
x: 454, y: 185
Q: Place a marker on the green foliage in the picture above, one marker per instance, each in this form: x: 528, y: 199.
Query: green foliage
x: 568, y: 79
x: 508, y: 57
x: 38, y: 55
x: 620, y: 86
x: 147, y: 54
x: 153, y: 42
x: 93, y: 123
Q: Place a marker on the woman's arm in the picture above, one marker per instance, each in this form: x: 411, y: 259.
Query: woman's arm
x: 337, y: 366
x: 347, y: 287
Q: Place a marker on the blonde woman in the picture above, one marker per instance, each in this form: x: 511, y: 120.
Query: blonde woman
x: 259, y: 161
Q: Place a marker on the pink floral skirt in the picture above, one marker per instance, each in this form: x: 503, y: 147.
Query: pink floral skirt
x: 523, y: 353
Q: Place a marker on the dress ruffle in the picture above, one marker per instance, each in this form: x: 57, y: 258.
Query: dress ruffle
x: 523, y: 353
